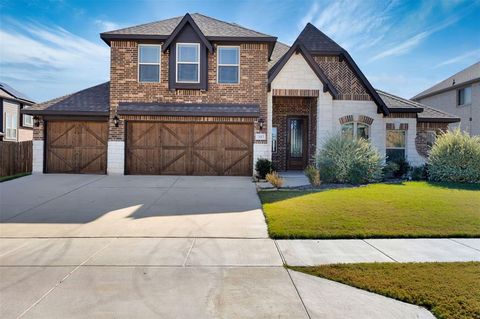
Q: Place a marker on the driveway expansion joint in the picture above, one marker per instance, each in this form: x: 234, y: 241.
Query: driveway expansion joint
x: 385, y: 254
x: 463, y: 244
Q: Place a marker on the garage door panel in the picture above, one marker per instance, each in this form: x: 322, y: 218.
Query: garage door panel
x: 76, y: 147
x: 191, y: 148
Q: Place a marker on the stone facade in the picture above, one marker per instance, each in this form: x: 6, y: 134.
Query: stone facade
x: 124, y: 86
x: 285, y: 107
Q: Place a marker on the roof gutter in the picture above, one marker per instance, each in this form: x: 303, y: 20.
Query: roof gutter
x: 70, y: 113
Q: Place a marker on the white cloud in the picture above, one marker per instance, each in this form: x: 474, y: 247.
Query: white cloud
x: 105, y: 25
x: 49, y: 61
x: 475, y: 55
x: 402, y: 48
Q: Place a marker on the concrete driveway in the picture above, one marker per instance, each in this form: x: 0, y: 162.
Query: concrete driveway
x: 76, y: 246
x: 130, y: 206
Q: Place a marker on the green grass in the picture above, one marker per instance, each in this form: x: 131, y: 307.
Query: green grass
x: 411, y: 209
x: 448, y: 290
x: 10, y: 177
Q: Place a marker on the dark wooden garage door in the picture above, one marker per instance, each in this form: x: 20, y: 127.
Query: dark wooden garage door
x: 77, y: 147
x: 189, y: 148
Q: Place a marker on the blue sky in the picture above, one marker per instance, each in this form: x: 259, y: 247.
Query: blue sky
x: 52, y: 48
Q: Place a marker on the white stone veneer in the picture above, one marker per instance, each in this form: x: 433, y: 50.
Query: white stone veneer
x: 116, y: 157
x: 37, y: 164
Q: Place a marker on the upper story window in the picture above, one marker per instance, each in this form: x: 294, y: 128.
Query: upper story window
x: 228, y: 62
x: 27, y: 120
x: 149, y: 62
x: 465, y: 96
x: 188, y: 63
x: 356, y: 130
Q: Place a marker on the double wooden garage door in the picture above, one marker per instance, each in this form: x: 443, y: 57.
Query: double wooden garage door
x: 189, y: 148
x: 76, y: 147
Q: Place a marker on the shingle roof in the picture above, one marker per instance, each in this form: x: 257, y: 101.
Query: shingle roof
x: 210, y: 27
x: 424, y: 112
x: 317, y: 41
x: 19, y: 95
x: 89, y: 101
x: 396, y: 103
x: 469, y: 74
x: 198, y: 109
x: 279, y: 50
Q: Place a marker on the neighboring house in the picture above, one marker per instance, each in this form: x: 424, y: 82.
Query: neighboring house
x: 458, y: 95
x: 14, y: 126
x: 197, y: 96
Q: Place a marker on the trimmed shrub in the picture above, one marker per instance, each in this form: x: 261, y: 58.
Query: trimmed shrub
x: 390, y: 169
x: 419, y: 173
x: 346, y: 160
x: 455, y: 157
x: 313, y: 175
x: 274, y: 179
x: 402, y: 167
x: 263, y: 166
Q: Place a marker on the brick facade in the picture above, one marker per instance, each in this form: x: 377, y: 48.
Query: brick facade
x: 124, y: 86
x: 284, y: 107
x: 421, y: 138
x: 347, y: 83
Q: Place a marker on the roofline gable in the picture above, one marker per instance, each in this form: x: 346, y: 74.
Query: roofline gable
x: 298, y: 47
x: 187, y: 19
x: 381, y: 106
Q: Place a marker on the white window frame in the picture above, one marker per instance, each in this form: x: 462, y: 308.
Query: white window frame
x: 397, y: 148
x: 11, y: 131
x: 219, y: 65
x: 27, y: 123
x: 143, y: 63
x: 355, y: 128
x: 197, y: 63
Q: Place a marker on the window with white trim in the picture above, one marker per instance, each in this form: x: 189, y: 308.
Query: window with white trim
x: 188, y: 63
x: 465, y: 96
x: 396, y: 144
x: 10, y: 126
x: 149, y: 62
x: 274, y: 139
x: 228, y: 65
x: 27, y: 120
x: 355, y: 130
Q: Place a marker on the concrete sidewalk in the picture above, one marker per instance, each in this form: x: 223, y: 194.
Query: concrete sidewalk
x: 172, y: 278
x: 318, y: 252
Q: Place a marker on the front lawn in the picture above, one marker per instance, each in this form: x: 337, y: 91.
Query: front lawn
x: 448, y: 290
x: 411, y: 209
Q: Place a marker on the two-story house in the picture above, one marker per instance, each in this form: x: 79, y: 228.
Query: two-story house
x: 197, y: 96
x: 14, y: 127
x: 458, y: 95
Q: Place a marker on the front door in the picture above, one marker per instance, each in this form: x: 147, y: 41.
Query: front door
x: 297, y: 143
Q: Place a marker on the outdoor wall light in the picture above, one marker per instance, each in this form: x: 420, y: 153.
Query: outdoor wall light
x: 260, y: 123
x: 116, y: 120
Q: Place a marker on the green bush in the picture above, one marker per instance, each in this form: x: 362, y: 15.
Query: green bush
x: 313, y: 175
x: 390, y: 169
x: 455, y: 157
x: 402, y: 167
x: 346, y: 160
x: 263, y: 166
x: 419, y: 173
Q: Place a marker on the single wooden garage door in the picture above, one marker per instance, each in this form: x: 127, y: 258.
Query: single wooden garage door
x: 189, y: 148
x: 77, y: 147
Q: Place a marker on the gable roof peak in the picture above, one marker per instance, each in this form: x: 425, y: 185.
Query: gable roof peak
x: 318, y: 42
x: 187, y: 19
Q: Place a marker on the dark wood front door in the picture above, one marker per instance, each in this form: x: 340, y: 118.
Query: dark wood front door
x: 171, y: 148
x: 297, y: 152
x: 76, y: 147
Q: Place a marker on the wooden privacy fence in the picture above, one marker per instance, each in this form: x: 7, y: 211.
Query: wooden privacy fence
x: 15, y: 158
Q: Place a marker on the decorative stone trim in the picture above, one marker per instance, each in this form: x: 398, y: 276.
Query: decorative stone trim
x: 346, y: 119
x: 295, y: 92
x: 365, y: 119
x: 188, y: 92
